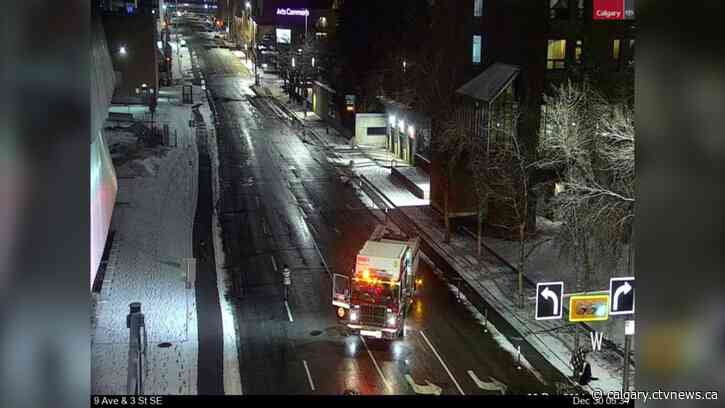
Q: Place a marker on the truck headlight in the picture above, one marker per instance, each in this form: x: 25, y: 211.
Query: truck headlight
x: 391, y: 320
x: 353, y: 315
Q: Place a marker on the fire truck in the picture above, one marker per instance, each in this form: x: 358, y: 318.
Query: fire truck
x: 374, y: 299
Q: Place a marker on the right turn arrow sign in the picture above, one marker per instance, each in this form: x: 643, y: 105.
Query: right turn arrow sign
x: 621, y: 293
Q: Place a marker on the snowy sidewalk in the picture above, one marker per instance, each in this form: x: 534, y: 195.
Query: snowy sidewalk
x: 152, y: 220
x: 153, y: 223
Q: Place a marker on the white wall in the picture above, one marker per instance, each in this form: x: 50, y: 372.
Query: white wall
x: 103, y: 196
x: 365, y: 120
x: 103, y: 177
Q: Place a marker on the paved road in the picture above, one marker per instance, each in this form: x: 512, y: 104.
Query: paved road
x: 209, y: 322
x: 280, y: 202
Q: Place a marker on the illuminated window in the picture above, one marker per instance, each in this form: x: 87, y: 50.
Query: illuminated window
x: 578, y: 52
x: 477, y: 42
x: 555, y: 54
x: 478, y: 8
x: 616, y: 49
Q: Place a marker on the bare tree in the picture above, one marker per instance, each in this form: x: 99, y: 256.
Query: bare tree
x: 300, y: 62
x: 507, y: 171
x: 590, y: 143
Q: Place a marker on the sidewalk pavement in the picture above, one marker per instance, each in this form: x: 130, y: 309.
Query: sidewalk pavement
x: 153, y: 222
x: 496, y: 283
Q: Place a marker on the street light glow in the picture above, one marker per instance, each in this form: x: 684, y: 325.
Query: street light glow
x: 391, y: 119
x: 248, y: 5
x: 122, y: 50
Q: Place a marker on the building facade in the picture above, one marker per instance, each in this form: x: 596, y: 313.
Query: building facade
x: 133, y: 45
x: 546, y: 42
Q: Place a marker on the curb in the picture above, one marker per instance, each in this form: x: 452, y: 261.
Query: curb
x: 477, y: 299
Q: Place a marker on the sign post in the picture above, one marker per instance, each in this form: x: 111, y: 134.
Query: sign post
x: 628, y: 333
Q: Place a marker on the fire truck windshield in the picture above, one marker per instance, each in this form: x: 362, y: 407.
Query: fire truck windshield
x: 374, y: 292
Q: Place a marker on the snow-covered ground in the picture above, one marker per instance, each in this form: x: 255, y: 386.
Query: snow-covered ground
x: 153, y: 222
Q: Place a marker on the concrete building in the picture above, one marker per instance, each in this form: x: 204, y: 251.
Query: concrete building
x: 132, y: 43
x: 103, y: 176
x: 522, y: 48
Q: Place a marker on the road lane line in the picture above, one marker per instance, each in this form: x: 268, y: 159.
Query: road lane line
x: 442, y: 362
x: 289, y: 313
x: 309, y: 377
x: 375, y: 363
x: 264, y: 227
x: 274, y: 263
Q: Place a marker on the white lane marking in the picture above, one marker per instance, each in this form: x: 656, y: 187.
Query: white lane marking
x: 428, y: 389
x: 375, y: 363
x: 289, y: 312
x: 274, y: 263
x: 309, y: 377
x: 442, y: 362
x: 493, y: 385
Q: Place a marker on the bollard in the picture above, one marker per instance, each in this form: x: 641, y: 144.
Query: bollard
x: 190, y: 271
x: 137, y: 344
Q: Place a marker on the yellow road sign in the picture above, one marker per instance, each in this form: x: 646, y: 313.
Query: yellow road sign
x: 588, y: 308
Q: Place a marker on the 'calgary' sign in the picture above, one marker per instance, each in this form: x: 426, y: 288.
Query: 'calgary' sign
x: 293, y: 12
x: 613, y: 10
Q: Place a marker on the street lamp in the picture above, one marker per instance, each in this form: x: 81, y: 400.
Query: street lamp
x: 122, y: 50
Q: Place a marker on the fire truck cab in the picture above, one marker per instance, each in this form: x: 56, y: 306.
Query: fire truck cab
x: 374, y: 300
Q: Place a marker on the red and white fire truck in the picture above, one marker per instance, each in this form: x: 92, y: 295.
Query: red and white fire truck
x: 374, y: 300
